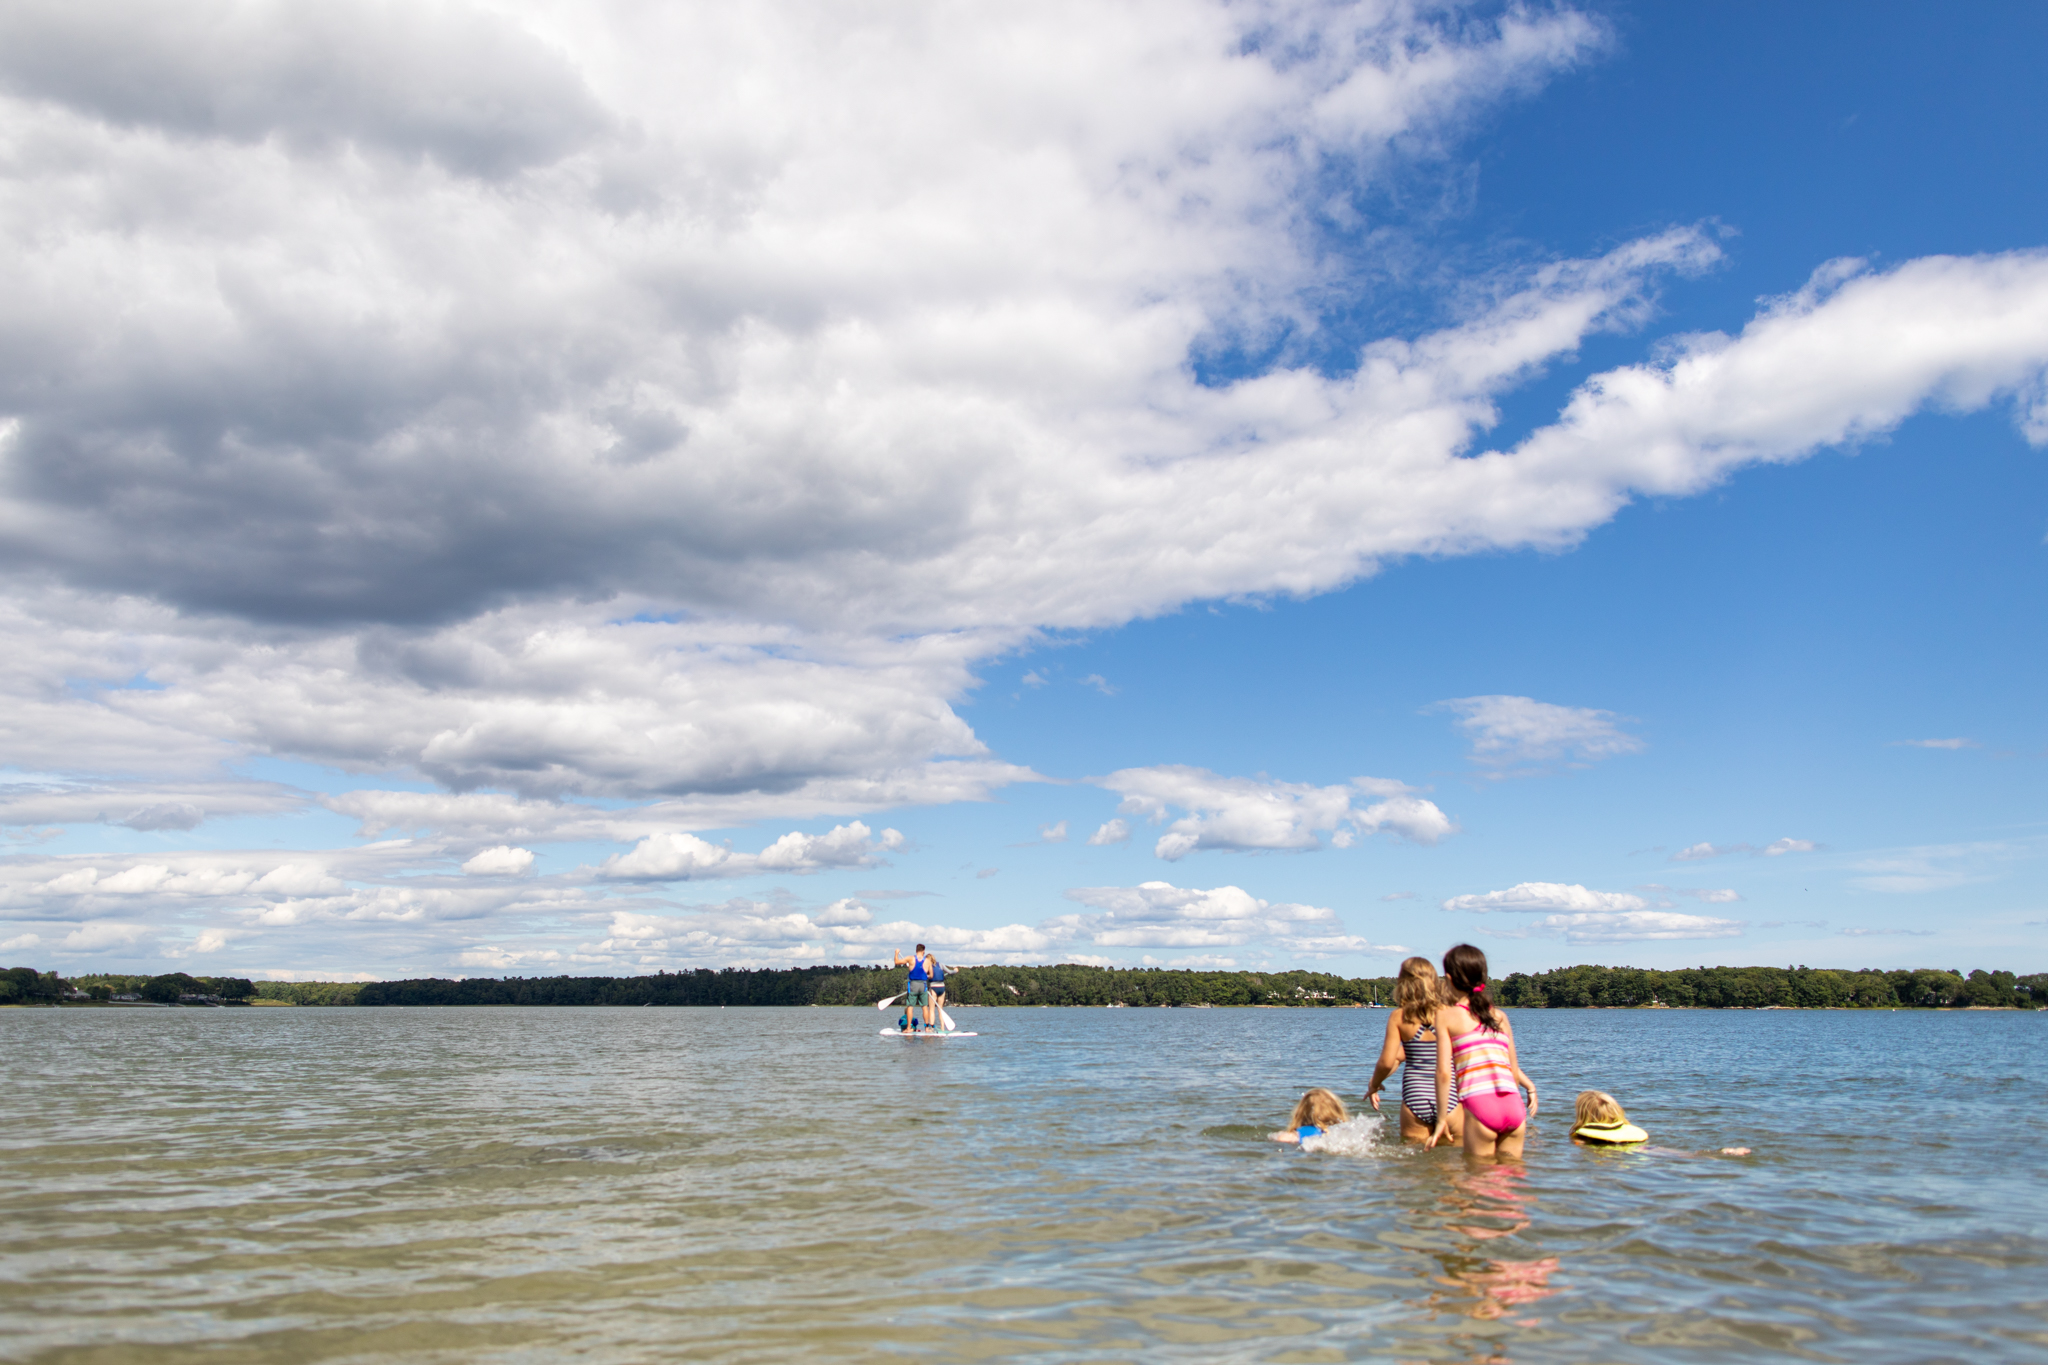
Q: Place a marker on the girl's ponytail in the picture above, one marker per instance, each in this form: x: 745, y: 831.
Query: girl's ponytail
x: 1465, y: 969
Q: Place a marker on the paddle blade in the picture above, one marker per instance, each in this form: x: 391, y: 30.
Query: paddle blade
x: 884, y: 1004
x: 945, y: 1018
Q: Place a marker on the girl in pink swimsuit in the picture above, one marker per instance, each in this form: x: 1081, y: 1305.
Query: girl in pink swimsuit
x: 1481, y: 1054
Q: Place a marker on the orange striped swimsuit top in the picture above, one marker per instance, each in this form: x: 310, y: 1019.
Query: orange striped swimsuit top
x: 1482, y: 1064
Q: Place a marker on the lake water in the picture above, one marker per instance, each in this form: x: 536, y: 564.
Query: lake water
x: 342, y: 1185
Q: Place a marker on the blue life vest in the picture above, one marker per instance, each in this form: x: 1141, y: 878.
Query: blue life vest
x: 917, y: 972
x: 938, y: 971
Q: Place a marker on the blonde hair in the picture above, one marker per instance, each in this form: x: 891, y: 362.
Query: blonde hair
x: 1321, y: 1108
x: 1418, y: 992
x: 1597, y: 1106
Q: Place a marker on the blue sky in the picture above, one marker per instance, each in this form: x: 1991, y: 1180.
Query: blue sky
x: 600, y: 530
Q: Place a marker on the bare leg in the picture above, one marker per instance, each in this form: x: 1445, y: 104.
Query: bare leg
x: 1413, y: 1127
x: 1483, y: 1141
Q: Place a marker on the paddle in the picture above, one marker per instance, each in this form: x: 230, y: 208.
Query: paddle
x: 884, y: 1004
x: 945, y: 1019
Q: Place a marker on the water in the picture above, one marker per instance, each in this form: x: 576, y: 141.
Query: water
x: 629, y: 1185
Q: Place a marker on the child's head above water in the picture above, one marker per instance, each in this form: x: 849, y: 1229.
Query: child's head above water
x: 1417, y: 991
x: 1597, y: 1106
x: 1320, y: 1108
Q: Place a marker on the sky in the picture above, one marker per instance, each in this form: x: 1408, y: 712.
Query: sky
x: 597, y: 488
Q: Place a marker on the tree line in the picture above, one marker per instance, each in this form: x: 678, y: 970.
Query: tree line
x: 1077, y: 985
x: 1073, y: 984
x: 1759, y: 987
x: 27, y: 986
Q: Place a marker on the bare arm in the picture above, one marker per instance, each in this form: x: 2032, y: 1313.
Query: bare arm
x: 1515, y: 1064
x: 1391, y: 1054
x: 1285, y: 1135
x: 1443, y: 1078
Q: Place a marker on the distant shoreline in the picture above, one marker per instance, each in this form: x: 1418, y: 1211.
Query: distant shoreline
x: 1078, y: 985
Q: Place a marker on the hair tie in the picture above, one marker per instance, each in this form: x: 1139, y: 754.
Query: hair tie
x: 1478, y: 988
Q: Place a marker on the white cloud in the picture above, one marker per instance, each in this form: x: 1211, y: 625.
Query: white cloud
x: 1506, y: 731
x: 1244, y: 813
x: 1632, y: 926
x: 1712, y: 896
x: 1116, y: 831
x: 1777, y: 848
x: 1053, y: 834
x: 43, y: 799
x: 1534, y: 897
x: 649, y: 404
x: 1161, y: 915
x: 502, y: 861
x: 1099, y: 683
x: 1936, y: 744
x: 685, y: 857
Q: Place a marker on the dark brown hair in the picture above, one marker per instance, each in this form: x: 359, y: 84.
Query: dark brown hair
x: 1465, y: 969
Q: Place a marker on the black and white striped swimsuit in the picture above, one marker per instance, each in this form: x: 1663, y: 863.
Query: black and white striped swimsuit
x: 1418, y: 1075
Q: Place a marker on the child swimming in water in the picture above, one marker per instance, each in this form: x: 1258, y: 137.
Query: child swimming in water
x: 1598, y: 1120
x: 1317, y: 1112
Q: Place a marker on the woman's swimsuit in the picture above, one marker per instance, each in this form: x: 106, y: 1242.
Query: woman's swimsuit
x: 1418, y: 1076
x: 1486, y: 1080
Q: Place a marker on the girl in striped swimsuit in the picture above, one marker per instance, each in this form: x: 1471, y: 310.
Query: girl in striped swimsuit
x: 1411, y: 1045
x: 1482, y: 1054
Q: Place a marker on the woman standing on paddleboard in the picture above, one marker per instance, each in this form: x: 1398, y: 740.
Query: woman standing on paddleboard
x: 937, y: 973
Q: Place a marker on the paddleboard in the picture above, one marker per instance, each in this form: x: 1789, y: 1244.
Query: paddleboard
x: 927, y: 1033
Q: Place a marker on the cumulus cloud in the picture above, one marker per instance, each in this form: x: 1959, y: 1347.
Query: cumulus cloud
x: 1245, y: 813
x: 648, y: 404
x: 1117, y: 831
x: 1534, y: 897
x: 1506, y: 731
x: 685, y: 857
x: 502, y: 861
x: 1161, y: 915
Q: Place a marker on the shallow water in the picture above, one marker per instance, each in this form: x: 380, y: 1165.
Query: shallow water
x: 1089, y: 1185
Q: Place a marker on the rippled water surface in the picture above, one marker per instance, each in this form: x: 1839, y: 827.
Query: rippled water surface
x: 741, y: 1185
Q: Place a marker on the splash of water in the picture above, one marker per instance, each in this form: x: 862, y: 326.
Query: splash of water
x: 1360, y: 1136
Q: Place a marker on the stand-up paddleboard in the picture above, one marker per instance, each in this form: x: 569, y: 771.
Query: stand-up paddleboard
x: 926, y: 1033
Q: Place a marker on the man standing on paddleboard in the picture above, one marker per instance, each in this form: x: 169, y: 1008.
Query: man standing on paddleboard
x: 917, y: 994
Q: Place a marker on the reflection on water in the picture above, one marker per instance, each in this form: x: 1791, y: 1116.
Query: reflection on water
x: 1074, y: 1185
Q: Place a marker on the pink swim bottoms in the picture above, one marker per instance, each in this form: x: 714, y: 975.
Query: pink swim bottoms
x: 1501, y: 1113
